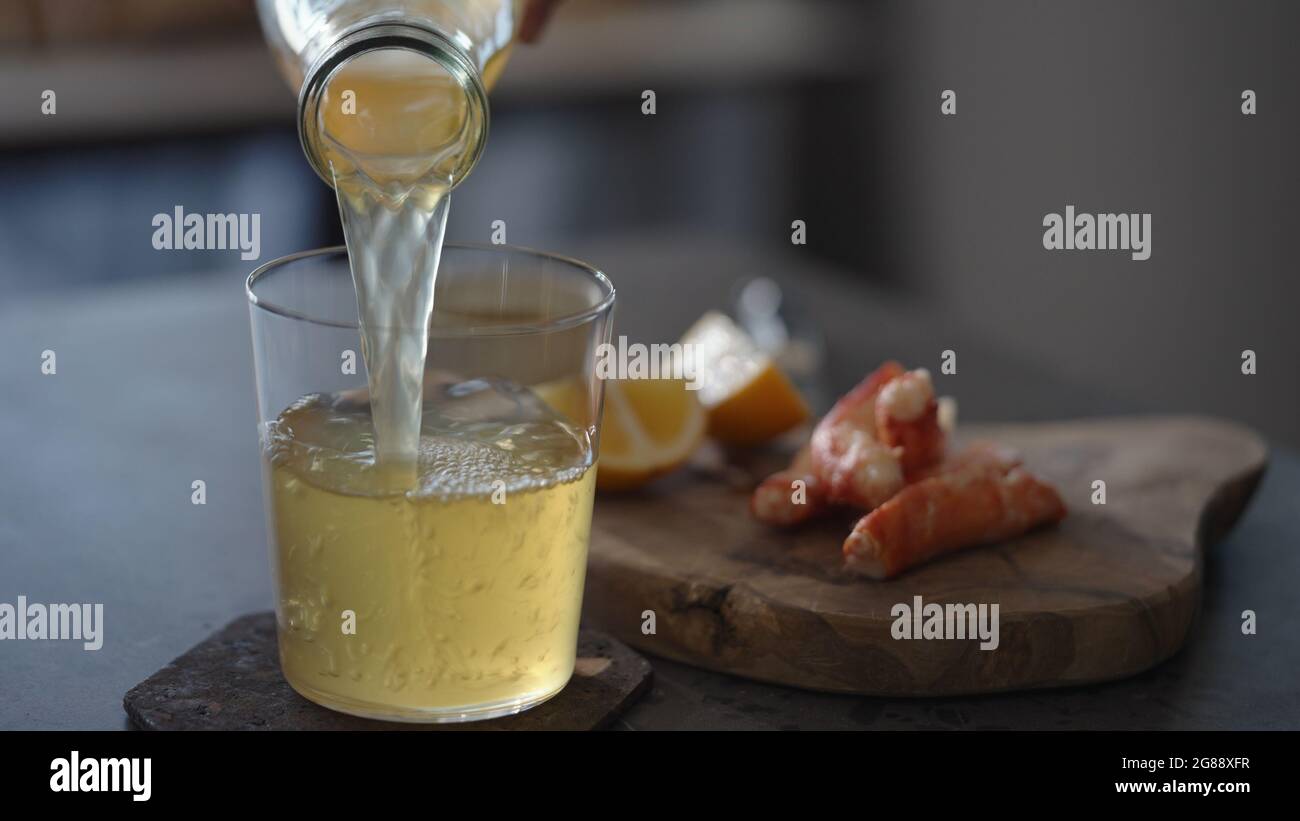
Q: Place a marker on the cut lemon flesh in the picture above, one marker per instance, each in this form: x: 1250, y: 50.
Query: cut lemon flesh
x: 649, y: 427
x: 747, y: 397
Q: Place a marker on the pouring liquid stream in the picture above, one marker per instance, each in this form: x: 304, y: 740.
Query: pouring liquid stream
x: 394, y: 127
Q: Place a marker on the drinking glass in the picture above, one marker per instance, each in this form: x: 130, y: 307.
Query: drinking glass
x: 455, y: 597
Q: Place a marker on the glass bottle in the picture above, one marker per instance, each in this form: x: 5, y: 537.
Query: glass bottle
x: 395, y: 88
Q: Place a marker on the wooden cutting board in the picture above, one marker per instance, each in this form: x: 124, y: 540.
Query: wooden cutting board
x: 1109, y: 593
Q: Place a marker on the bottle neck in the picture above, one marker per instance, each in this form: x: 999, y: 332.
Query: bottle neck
x: 408, y: 37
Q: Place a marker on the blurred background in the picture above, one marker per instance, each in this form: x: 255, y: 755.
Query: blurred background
x: 767, y: 111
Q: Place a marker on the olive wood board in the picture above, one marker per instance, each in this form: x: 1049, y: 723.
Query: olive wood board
x: 1111, y: 591
x: 232, y: 681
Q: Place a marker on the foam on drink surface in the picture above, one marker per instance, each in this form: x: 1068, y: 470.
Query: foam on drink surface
x: 476, y: 437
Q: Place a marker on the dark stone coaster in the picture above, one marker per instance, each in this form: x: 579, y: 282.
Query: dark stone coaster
x: 232, y: 681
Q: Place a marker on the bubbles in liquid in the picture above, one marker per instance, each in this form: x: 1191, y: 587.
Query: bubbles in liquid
x: 462, y: 597
x: 476, y: 437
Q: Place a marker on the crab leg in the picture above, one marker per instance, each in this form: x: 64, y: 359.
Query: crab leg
x: 907, y: 419
x: 777, y: 500
x: 846, y: 455
x: 983, y: 498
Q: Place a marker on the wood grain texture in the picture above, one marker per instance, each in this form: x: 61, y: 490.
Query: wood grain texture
x: 232, y: 681
x: 1109, y: 593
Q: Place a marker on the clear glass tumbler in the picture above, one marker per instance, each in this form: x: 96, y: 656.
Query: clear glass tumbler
x: 457, y: 596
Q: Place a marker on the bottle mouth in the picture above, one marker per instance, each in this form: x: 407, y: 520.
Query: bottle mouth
x: 404, y: 37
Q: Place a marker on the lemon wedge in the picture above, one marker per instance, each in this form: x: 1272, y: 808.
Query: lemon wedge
x: 650, y: 427
x: 747, y: 397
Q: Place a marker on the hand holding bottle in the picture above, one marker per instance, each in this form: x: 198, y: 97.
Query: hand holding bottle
x: 536, y: 13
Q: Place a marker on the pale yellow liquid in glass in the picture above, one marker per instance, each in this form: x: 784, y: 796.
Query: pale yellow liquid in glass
x: 466, y: 589
x: 453, y: 532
